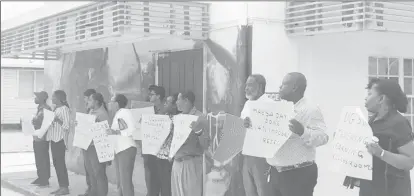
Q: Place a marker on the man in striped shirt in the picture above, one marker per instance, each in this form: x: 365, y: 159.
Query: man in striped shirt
x: 57, y: 135
x: 293, y: 166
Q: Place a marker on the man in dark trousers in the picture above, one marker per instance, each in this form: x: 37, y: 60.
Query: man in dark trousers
x: 86, y: 96
x: 40, y: 145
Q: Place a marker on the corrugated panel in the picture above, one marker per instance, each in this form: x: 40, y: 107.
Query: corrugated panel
x: 12, y: 108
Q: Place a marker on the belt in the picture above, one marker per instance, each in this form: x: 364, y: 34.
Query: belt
x: 291, y: 167
x: 186, y: 157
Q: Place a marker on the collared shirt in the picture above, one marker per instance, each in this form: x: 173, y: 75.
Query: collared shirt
x: 56, y: 131
x: 300, y: 149
x: 123, y: 141
x: 191, y: 146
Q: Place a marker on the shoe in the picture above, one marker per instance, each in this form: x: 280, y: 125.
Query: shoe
x: 42, y: 183
x: 35, y: 182
x: 62, y: 191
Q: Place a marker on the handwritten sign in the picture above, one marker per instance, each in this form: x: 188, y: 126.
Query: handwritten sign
x: 349, y: 154
x: 48, y: 117
x: 154, y: 129
x: 182, y: 130
x: 137, y: 114
x: 27, y: 126
x: 83, y: 135
x: 232, y: 141
x: 270, y: 128
x: 104, y: 147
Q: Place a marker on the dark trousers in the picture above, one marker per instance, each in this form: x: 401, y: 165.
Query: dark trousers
x: 58, y: 155
x: 97, y: 173
x: 41, y: 153
x: 295, y: 182
x: 152, y: 179
x: 124, y: 165
x: 88, y: 182
x: 164, y: 168
x: 255, y: 177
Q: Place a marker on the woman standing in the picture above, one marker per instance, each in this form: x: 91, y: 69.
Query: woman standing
x: 95, y: 169
x: 393, y: 155
x: 164, y: 165
x: 125, y: 148
x: 57, y: 135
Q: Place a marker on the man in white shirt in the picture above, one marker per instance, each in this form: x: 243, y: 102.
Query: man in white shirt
x: 293, y: 166
x: 255, y: 168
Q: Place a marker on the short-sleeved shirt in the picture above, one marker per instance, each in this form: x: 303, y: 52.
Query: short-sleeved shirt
x: 191, y: 146
x: 393, y: 132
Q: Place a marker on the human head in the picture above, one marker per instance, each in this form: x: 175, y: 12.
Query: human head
x: 171, y: 103
x: 255, y: 86
x: 96, y: 101
x: 293, y: 87
x: 120, y: 101
x: 185, y: 101
x: 41, y: 97
x: 59, y: 98
x: 150, y: 88
x: 157, y: 94
x: 87, y: 94
x: 385, y: 94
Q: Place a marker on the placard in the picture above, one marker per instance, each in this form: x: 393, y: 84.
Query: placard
x: 349, y: 154
x: 104, y: 147
x: 182, y: 130
x: 155, y: 130
x: 27, y: 126
x: 270, y: 128
x: 136, y: 115
x: 48, y: 117
x: 83, y: 135
x: 232, y: 141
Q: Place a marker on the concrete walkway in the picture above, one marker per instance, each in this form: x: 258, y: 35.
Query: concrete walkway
x: 20, y: 182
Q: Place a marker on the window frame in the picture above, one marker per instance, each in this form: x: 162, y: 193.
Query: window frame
x: 34, y: 71
x: 401, y: 76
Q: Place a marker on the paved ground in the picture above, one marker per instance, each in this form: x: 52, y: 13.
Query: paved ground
x: 15, y: 141
x: 8, y: 192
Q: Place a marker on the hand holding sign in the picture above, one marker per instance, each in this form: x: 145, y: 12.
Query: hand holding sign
x: 296, y: 127
x: 247, y: 123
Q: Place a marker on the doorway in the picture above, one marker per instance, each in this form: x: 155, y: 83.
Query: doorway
x: 182, y: 71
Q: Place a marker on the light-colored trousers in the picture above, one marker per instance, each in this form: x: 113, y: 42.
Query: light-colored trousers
x: 187, y: 177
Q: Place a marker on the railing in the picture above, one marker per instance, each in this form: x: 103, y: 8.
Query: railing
x: 310, y: 18
x: 93, y: 22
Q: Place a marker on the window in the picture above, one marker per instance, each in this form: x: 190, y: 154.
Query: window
x: 400, y: 70
x: 29, y: 82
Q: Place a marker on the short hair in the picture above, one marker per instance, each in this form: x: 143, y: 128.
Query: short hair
x: 175, y: 97
x: 121, y: 100
x: 188, y: 95
x: 151, y: 87
x: 261, y: 80
x: 89, y: 92
x: 392, y: 90
x: 159, y: 90
x: 300, y: 81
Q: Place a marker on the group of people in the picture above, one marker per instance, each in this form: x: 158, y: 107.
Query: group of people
x: 291, y: 172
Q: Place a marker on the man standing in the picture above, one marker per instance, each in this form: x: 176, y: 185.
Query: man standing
x: 152, y: 180
x: 40, y: 145
x: 86, y: 96
x: 255, y: 168
x: 293, y: 166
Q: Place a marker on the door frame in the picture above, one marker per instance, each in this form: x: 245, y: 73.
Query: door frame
x: 204, y: 48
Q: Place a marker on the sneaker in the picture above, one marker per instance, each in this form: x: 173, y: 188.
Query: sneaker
x: 62, y: 191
